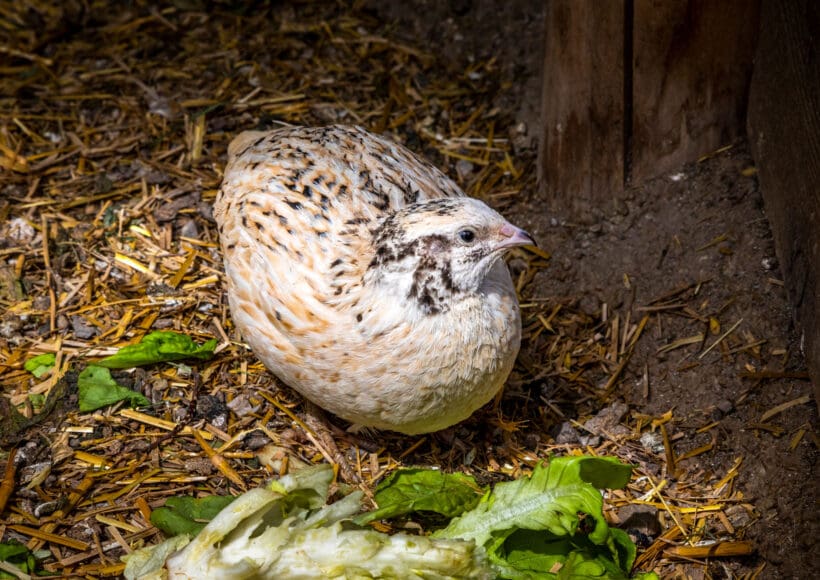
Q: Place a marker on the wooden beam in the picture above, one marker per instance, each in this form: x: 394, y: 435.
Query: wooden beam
x: 784, y: 132
x: 633, y: 89
x: 691, y: 72
x: 580, y: 164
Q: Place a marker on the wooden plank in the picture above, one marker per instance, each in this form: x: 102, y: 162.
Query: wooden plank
x: 691, y: 70
x: 784, y: 132
x: 580, y: 167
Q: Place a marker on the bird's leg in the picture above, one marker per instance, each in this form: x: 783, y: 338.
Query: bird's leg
x: 317, y: 422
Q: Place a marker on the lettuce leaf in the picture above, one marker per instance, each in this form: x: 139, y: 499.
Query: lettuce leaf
x: 159, y: 346
x: 17, y: 555
x: 97, y: 388
x: 551, y: 524
x: 286, y: 530
x: 40, y: 364
x: 412, y: 490
x: 188, y: 515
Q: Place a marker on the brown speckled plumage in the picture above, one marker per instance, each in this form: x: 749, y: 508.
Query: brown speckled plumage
x: 352, y: 278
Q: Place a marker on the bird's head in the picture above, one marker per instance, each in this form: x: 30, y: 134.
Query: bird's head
x: 435, y: 250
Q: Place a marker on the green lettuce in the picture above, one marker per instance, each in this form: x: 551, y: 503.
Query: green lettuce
x: 40, y: 364
x: 548, y: 525
x: 159, y: 346
x: 97, y: 388
x: 188, y: 515
x: 286, y: 530
x: 551, y: 524
x: 16, y: 557
x: 417, y: 490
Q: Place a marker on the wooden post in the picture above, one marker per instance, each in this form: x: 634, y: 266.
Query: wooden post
x: 784, y: 132
x: 581, y: 150
x: 691, y: 73
x: 636, y: 88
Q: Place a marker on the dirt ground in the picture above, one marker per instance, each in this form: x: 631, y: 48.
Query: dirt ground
x: 659, y: 245
x: 682, y: 285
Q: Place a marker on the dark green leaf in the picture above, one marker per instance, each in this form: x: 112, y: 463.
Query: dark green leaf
x: 531, y: 555
x: 623, y: 549
x: 97, y: 389
x: 160, y: 346
x: 187, y: 515
x: 19, y: 556
x: 9, y: 550
x: 604, y: 472
x: 412, y: 490
x: 40, y: 364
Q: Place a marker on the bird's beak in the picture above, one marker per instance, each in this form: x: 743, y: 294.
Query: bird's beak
x: 511, y: 236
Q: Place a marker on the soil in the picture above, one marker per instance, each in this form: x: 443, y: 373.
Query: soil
x: 656, y: 245
x: 690, y: 251
x: 703, y: 229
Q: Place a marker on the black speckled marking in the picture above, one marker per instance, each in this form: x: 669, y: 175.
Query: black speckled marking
x: 429, y: 304
x: 432, y: 287
x: 429, y: 288
x: 444, y: 206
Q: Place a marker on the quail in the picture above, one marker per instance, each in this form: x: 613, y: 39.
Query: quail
x: 365, y: 279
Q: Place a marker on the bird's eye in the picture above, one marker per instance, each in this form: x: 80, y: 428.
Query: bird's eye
x: 467, y: 236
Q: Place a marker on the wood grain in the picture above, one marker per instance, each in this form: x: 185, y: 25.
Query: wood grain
x: 784, y: 131
x: 691, y: 71
x: 581, y: 152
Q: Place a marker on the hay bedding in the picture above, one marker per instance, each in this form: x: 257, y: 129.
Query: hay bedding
x: 114, y: 122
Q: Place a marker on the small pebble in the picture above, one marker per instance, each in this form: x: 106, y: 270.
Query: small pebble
x: 589, y: 440
x: 652, y: 442
x: 464, y: 169
x: 567, y: 434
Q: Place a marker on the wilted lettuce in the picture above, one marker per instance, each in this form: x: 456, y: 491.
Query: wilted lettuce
x: 159, y: 346
x: 188, y: 515
x: 551, y: 524
x: 424, y: 490
x: 547, y: 525
x: 286, y: 530
x: 40, y: 364
x: 97, y: 388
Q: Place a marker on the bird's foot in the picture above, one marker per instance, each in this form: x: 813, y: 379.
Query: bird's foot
x: 321, y: 432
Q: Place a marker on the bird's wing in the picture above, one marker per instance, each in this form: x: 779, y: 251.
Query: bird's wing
x: 298, y: 206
